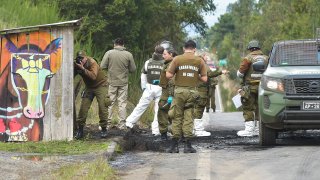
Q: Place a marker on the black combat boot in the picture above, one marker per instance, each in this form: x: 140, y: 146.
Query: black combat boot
x: 164, y: 136
x: 103, y: 133
x: 188, y: 148
x: 79, y: 134
x: 174, y: 148
x: 207, y: 110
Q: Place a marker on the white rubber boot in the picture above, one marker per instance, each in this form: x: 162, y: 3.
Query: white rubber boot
x: 129, y: 124
x: 256, y: 129
x: 248, y: 131
x: 198, y: 129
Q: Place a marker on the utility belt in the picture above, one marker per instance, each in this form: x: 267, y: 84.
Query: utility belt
x: 253, y: 82
x: 186, y: 87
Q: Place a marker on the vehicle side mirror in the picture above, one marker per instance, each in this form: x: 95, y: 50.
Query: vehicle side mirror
x: 259, y: 66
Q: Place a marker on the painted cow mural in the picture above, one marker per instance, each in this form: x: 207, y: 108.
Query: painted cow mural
x: 26, y: 70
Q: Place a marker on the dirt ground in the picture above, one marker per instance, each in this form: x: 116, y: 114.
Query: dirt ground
x: 38, y: 166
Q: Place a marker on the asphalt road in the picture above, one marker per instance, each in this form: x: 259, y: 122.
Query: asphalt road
x: 226, y: 156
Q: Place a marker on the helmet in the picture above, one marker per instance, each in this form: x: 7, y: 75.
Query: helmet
x: 253, y: 44
x: 166, y: 44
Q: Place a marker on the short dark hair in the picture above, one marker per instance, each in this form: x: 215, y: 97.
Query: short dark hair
x: 119, y: 41
x: 172, y: 52
x: 190, y: 44
x: 159, y: 49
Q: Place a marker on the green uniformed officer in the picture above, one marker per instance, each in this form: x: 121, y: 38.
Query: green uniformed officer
x: 188, y: 70
x: 211, y: 100
x: 166, y: 94
x: 249, y: 90
x: 200, y: 106
x: 96, y: 86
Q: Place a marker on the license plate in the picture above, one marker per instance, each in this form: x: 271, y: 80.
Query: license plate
x: 311, y: 105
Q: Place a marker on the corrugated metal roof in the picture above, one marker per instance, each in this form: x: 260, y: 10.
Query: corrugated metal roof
x: 36, y: 27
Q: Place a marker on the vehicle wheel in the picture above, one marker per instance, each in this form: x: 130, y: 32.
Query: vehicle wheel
x: 267, y: 136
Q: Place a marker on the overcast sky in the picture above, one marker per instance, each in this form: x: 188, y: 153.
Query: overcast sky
x: 221, y: 7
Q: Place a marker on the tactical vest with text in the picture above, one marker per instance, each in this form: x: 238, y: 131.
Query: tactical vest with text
x: 153, y: 70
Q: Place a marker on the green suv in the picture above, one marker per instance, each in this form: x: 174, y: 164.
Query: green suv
x: 289, y: 91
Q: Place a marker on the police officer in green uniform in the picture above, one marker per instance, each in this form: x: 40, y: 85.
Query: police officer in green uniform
x: 188, y: 70
x: 211, y: 100
x: 96, y: 86
x: 166, y: 94
x: 201, y: 104
x: 249, y: 90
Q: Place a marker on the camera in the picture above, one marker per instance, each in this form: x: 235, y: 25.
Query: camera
x: 79, y: 59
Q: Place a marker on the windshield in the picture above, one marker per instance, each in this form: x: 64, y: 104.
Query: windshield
x: 295, y: 53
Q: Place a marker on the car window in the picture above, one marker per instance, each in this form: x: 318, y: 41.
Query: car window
x: 295, y: 53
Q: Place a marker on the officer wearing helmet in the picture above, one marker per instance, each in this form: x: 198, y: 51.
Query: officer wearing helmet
x: 95, y: 86
x: 249, y: 90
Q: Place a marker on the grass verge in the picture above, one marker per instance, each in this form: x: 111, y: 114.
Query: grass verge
x: 55, y: 147
x: 97, y: 169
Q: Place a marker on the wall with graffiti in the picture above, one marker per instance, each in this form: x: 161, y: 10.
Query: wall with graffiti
x: 28, y: 63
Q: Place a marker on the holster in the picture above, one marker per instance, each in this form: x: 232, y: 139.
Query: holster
x: 87, y: 94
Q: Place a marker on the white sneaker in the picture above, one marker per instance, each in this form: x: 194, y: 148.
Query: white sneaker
x: 129, y: 124
x: 202, y: 133
x: 248, y: 131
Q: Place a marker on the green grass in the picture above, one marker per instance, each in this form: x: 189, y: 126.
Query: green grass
x: 55, y: 147
x: 97, y: 169
x: 17, y: 13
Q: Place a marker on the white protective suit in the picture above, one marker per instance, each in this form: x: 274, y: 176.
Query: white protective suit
x: 151, y: 92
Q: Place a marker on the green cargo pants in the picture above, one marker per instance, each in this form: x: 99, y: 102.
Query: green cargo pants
x: 163, y: 117
x: 181, y: 111
x: 103, y: 102
x: 201, y: 104
x: 250, y: 104
x: 211, y: 98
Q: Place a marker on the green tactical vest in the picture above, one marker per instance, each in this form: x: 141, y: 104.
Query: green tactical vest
x: 153, y: 70
x: 163, y: 80
x: 253, y: 76
x: 188, y: 70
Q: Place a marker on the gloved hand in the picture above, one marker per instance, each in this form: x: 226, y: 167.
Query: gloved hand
x: 156, y: 82
x: 169, y: 100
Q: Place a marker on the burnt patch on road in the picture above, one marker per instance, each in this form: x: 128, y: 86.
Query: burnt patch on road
x: 137, y: 141
x: 143, y: 140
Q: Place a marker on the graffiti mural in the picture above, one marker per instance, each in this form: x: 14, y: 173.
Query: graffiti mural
x: 28, y: 62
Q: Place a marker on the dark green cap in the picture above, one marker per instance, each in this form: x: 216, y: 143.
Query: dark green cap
x: 81, y: 54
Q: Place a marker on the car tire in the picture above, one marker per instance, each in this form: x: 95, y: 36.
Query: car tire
x: 267, y: 136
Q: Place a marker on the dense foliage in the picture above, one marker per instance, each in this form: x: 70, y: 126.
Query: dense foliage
x: 267, y: 21
x: 142, y: 23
